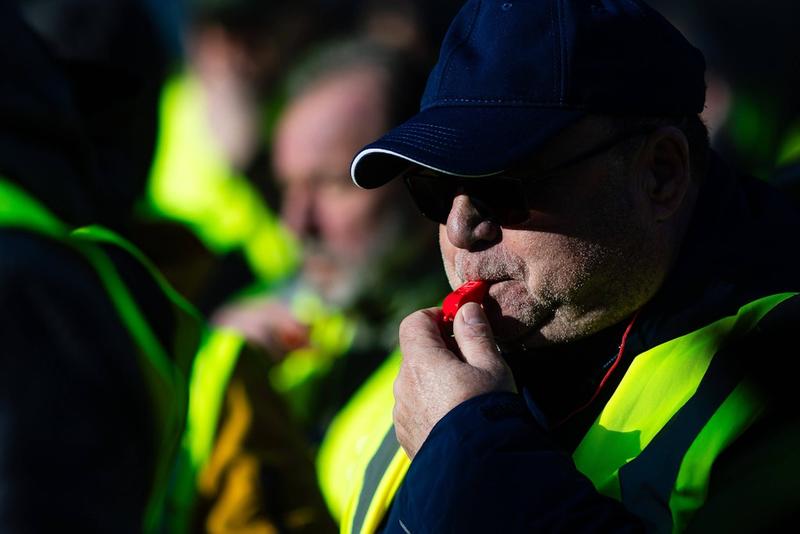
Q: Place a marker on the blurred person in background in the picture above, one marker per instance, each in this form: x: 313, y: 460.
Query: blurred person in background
x: 212, y: 175
x: 232, y: 54
x: 96, y: 426
x: 324, y: 324
x: 115, y: 57
x: 366, y: 258
x: 89, y: 399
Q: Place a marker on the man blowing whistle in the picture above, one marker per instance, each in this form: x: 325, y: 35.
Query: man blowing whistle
x: 624, y: 369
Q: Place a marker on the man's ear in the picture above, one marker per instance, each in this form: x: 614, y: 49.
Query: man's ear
x: 665, y: 171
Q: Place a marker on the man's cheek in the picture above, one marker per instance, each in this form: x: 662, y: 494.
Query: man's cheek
x: 450, y: 271
x: 448, y: 258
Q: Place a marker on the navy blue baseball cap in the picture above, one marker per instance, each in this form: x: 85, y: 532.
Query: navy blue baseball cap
x: 511, y: 75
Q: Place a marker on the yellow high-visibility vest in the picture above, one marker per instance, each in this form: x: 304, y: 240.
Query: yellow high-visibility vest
x: 191, y: 182
x: 628, y: 448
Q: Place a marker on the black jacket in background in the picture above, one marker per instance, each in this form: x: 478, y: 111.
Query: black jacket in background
x: 76, y: 438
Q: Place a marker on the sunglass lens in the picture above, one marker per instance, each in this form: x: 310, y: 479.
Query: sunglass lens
x: 502, y: 201
x: 433, y: 197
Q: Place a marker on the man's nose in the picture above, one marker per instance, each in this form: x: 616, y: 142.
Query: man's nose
x: 299, y: 213
x: 467, y: 228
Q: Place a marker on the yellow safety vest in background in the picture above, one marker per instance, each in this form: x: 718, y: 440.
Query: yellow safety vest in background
x: 191, y: 182
x: 331, y: 335
x: 354, y: 436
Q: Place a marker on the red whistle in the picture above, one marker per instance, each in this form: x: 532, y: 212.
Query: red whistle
x: 472, y: 291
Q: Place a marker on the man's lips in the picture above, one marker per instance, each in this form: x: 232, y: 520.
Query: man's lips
x: 500, y: 282
x: 492, y: 283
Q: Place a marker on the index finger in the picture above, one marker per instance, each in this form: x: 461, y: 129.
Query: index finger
x: 421, y: 336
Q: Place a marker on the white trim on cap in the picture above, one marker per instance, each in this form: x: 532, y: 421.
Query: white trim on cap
x: 369, y: 151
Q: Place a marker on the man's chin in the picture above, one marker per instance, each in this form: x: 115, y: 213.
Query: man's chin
x: 509, y: 331
x: 512, y: 333
x: 512, y: 338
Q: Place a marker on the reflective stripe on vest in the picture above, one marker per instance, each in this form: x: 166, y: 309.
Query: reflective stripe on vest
x: 164, y: 376
x: 653, y: 446
x: 674, y: 383
x: 382, y: 478
x: 351, y: 440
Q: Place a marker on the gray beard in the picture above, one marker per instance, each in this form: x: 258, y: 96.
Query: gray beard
x: 353, y: 277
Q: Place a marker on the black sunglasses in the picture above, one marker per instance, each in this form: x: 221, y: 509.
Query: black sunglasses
x: 501, y: 198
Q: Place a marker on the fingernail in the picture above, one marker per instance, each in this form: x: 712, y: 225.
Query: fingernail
x: 471, y: 313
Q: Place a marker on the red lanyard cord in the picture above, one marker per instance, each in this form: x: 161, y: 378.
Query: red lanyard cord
x: 607, y: 375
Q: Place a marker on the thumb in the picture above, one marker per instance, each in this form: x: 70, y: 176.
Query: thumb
x: 475, y: 338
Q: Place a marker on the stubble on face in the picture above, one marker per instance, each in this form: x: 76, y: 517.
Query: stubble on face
x: 554, y: 286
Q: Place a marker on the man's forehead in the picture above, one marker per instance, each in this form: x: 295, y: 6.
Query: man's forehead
x: 574, y: 138
x: 324, y: 125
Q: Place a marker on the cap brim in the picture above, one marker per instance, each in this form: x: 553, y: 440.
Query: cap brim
x: 467, y: 141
